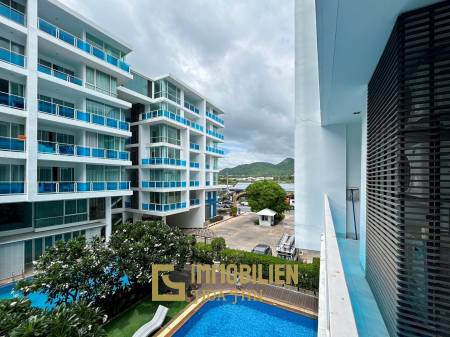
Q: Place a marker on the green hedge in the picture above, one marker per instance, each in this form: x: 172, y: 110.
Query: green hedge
x: 308, y: 272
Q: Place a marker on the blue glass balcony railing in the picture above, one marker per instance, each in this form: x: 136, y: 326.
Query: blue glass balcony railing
x: 194, y: 164
x: 207, y: 166
x: 67, y: 112
x: 194, y: 146
x: 81, y: 44
x: 163, y: 184
x: 191, y: 107
x: 12, y: 187
x: 215, y: 134
x: 163, y: 207
x: 78, y: 187
x: 12, y: 14
x: 12, y: 57
x: 194, y: 183
x: 208, y: 183
x: 80, y: 151
x: 59, y: 74
x: 163, y: 161
x: 215, y: 118
x: 194, y: 202
x: 12, y: 101
x: 215, y: 150
x: 12, y: 144
x: 172, y: 116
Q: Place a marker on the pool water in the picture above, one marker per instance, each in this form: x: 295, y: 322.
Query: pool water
x: 38, y: 300
x: 246, y: 318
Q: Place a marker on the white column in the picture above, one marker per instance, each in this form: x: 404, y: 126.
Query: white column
x: 31, y: 99
x: 108, y: 220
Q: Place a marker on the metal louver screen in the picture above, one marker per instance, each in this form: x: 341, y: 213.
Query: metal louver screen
x: 408, y: 175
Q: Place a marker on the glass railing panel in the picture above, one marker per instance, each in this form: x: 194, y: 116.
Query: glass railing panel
x: 124, y: 155
x: 98, y: 153
x: 47, y: 147
x: 214, y: 117
x: 12, y: 14
x: 65, y: 111
x: 12, y: 144
x: 47, y: 187
x: 111, y: 154
x: 83, y: 116
x: 66, y: 149
x: 83, y: 187
x: 194, y: 146
x: 12, y: 101
x: 124, y: 125
x: 66, y: 187
x: 66, y: 37
x: 12, y: 187
x: 98, y: 186
x: 124, y: 185
x: 112, y: 185
x: 47, y: 107
x: 47, y: 27
x: 112, y: 123
x: 11, y: 57
x: 97, y: 119
x: 83, y: 151
x: 84, y: 46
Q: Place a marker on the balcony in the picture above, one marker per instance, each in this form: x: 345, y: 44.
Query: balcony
x: 164, y: 161
x: 165, y: 114
x: 12, y: 144
x: 60, y: 75
x: 81, y: 151
x: 215, y: 150
x: 12, y: 187
x: 81, y: 45
x: 191, y: 107
x: 194, y: 183
x: 196, y: 126
x: 164, y: 184
x: 67, y: 112
x: 208, y: 183
x: 12, y: 57
x: 215, y: 134
x: 194, y: 202
x: 194, y: 164
x: 12, y: 14
x: 163, y: 207
x: 215, y: 118
x: 194, y: 146
x: 46, y: 187
x: 12, y: 101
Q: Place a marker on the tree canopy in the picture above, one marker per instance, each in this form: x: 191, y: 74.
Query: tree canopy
x: 266, y: 194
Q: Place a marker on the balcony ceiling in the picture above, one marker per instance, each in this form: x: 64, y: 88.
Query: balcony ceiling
x: 351, y: 35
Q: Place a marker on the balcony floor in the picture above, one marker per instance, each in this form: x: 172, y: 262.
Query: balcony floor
x: 367, y: 315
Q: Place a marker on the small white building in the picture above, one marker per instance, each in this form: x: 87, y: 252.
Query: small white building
x: 266, y: 217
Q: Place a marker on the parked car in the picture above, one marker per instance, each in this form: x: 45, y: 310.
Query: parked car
x: 262, y: 249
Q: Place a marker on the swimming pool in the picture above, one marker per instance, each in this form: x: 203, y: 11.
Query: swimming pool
x: 246, y: 318
x: 38, y: 299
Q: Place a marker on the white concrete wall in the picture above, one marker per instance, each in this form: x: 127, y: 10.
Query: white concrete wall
x: 267, y: 222
x: 11, y: 259
x: 363, y: 190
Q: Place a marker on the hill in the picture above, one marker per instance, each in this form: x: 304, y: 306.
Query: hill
x: 261, y: 169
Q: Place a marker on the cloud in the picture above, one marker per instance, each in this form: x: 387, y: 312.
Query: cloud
x: 240, y: 54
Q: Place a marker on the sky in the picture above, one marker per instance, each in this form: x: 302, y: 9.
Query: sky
x: 239, y: 54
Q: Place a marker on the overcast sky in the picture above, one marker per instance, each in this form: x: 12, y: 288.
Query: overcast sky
x: 238, y: 53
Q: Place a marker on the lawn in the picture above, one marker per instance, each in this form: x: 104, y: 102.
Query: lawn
x: 128, y: 322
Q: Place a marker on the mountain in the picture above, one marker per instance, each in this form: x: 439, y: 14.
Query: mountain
x: 261, y: 169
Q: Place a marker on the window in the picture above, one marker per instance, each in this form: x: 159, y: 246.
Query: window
x: 96, y: 208
x: 163, y: 88
x: 55, y: 213
x: 104, y: 110
x: 56, y: 101
x: 97, y: 80
x: 107, y: 48
x: 95, y: 173
x: 12, y: 46
x: 164, y: 133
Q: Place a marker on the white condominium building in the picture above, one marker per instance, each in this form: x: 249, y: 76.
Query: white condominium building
x: 67, y: 100
x: 174, y: 151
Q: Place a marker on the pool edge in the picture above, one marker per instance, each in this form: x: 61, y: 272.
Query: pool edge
x: 175, y: 324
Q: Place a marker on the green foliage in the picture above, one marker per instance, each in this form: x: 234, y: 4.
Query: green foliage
x: 74, y: 270
x: 18, y: 318
x: 308, y: 272
x: 216, y: 218
x: 218, y: 245
x: 266, y: 194
x: 233, y: 211
x: 261, y: 169
x: 136, y: 247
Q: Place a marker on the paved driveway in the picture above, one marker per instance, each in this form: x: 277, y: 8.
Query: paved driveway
x: 242, y: 233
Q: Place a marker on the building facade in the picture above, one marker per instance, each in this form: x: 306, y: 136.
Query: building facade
x: 372, y: 166
x: 85, y: 143
x: 175, y: 152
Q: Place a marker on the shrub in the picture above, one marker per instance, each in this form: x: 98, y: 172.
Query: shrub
x: 218, y: 245
x: 308, y: 272
x: 233, y: 211
x: 216, y: 218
